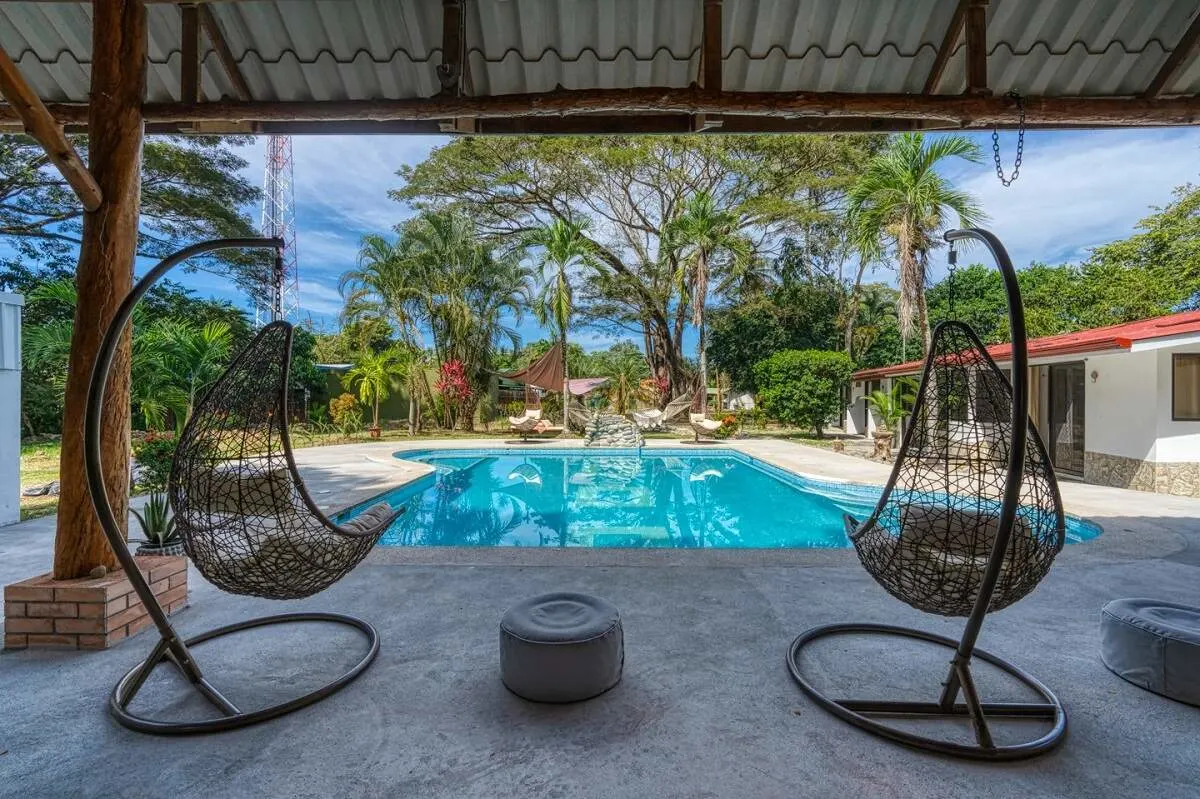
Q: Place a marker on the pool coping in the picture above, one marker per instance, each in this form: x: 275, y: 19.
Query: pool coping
x: 791, y: 477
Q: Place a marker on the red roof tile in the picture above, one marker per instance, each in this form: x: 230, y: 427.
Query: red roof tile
x: 1097, y: 339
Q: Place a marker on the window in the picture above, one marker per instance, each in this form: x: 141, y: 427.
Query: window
x: 1185, y: 387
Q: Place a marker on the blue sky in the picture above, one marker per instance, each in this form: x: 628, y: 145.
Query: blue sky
x: 1077, y: 190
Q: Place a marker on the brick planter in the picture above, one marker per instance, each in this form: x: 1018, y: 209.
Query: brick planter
x: 42, y: 612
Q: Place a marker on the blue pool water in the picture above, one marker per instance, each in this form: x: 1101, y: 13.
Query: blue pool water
x: 661, y: 498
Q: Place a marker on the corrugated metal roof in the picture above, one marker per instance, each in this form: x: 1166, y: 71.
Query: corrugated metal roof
x: 377, y: 49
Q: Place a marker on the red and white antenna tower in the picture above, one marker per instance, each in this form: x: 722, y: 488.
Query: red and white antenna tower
x: 279, y: 220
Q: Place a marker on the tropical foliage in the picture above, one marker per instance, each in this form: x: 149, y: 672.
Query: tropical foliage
x: 900, y: 204
x: 804, y: 387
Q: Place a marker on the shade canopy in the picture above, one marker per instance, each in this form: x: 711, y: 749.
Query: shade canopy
x: 627, y: 66
x: 546, y: 373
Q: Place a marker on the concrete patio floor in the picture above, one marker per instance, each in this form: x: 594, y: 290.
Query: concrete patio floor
x: 706, y: 707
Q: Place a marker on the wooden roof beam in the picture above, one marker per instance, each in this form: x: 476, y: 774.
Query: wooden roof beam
x: 450, y: 71
x: 710, y: 53
x: 976, y: 34
x: 38, y: 122
x: 956, y: 110
x: 949, y: 41
x: 1176, y: 59
x: 212, y: 29
x: 189, y: 48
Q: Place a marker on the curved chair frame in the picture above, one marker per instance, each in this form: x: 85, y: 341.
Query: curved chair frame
x: 170, y: 646
x: 861, y: 713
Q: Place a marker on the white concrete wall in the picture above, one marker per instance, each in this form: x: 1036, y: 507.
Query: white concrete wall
x: 1120, y: 404
x: 1178, y: 442
x: 10, y: 407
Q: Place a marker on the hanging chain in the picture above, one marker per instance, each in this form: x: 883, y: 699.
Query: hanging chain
x: 950, y: 278
x: 1020, y: 143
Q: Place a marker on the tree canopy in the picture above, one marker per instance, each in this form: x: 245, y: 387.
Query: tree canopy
x: 631, y: 189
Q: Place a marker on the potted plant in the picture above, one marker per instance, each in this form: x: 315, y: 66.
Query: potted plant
x: 890, y: 408
x: 158, y: 526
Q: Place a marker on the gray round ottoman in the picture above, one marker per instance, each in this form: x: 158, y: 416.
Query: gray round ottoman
x: 561, y: 647
x: 1153, y: 644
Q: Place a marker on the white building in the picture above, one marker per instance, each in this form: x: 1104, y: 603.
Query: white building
x: 10, y: 407
x: 1116, y: 405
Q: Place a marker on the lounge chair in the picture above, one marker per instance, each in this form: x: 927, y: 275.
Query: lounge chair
x: 654, y: 419
x: 529, y: 422
x: 703, y: 426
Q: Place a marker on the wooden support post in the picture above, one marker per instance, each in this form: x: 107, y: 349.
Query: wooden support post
x: 1183, y: 49
x: 976, y: 26
x: 103, y: 278
x: 953, y: 32
x: 710, y: 53
x: 189, y: 40
x: 212, y: 30
x: 450, y: 70
x: 41, y: 125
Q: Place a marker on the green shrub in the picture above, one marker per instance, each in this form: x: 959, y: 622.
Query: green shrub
x: 514, y: 408
x: 754, y: 417
x: 729, y: 427
x: 346, y: 414
x: 154, y: 454
x: 803, y: 387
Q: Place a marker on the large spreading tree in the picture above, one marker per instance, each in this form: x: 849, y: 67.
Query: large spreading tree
x: 632, y: 189
x: 193, y: 188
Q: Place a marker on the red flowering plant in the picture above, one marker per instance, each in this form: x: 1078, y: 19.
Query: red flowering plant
x: 729, y: 427
x: 455, y: 388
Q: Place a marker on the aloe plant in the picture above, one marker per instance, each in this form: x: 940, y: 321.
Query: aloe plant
x: 158, y: 525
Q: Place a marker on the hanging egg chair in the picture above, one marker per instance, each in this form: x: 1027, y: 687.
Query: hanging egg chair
x: 245, y: 518
x: 969, y: 522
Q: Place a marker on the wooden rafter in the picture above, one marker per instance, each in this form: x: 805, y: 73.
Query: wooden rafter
x: 189, y: 39
x: 450, y: 71
x: 955, y: 110
x: 976, y: 34
x: 1183, y: 50
x: 949, y: 41
x: 212, y: 29
x: 38, y: 122
x: 711, y: 51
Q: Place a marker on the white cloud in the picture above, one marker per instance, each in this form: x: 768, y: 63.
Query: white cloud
x: 1079, y: 190
x: 319, y: 297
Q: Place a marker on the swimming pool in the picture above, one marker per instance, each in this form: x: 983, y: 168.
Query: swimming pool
x: 720, y: 498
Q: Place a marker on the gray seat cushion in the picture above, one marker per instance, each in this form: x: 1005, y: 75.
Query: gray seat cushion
x: 1153, y: 644
x: 561, y: 647
x: 369, y: 519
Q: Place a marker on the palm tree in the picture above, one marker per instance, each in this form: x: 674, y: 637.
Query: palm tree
x: 191, y: 357
x: 876, y: 307
x: 708, y: 237
x: 625, y: 366
x: 440, y: 278
x: 564, y: 246
x: 900, y: 202
x: 374, y: 375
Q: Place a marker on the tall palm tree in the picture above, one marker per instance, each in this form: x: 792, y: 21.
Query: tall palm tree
x: 708, y: 239
x: 901, y: 202
x: 563, y: 247
x: 440, y: 278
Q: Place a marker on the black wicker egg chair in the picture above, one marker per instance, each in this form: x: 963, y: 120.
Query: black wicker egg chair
x: 968, y: 523
x: 246, y: 520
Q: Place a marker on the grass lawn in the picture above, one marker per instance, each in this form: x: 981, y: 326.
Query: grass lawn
x: 39, y: 465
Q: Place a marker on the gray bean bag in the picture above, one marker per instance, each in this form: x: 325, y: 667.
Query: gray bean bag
x: 1154, y: 645
x: 561, y: 647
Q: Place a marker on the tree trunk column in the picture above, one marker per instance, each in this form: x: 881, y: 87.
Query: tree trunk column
x: 104, y: 276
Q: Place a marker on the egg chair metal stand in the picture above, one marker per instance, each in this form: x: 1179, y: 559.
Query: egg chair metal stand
x: 240, y: 425
x: 968, y: 523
